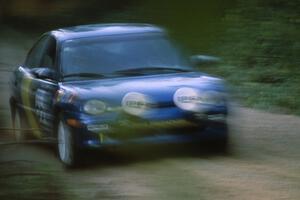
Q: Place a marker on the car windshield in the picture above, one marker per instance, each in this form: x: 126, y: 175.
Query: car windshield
x: 116, y: 55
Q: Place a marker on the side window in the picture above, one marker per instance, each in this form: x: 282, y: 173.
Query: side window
x: 48, y: 57
x: 35, y: 55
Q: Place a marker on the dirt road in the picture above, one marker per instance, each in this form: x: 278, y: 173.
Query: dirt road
x: 264, y: 162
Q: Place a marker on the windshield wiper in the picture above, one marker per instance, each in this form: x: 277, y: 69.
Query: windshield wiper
x: 145, y: 70
x: 85, y: 75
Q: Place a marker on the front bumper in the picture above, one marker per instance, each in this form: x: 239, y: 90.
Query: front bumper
x: 129, y: 131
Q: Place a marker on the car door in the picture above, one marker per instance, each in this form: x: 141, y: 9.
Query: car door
x: 38, y: 90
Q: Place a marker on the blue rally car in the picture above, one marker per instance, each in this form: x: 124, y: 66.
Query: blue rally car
x: 94, y: 86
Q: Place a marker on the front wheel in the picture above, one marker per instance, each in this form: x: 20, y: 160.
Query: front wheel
x: 67, y: 150
x: 221, y: 142
x: 216, y: 137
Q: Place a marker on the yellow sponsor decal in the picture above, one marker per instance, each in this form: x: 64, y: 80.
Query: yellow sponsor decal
x: 101, y: 137
x: 25, y: 95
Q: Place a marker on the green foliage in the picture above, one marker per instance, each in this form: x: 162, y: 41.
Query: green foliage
x: 262, y: 41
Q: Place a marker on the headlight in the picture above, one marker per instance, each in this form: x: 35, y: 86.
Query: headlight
x: 94, y: 107
x: 191, y: 99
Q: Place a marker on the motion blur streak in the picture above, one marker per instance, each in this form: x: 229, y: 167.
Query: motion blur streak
x: 25, y: 98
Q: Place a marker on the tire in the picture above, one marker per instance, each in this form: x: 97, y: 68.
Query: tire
x: 222, y: 143
x: 66, y: 147
x: 216, y: 138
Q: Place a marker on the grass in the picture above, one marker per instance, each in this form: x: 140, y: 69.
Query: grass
x: 271, y: 89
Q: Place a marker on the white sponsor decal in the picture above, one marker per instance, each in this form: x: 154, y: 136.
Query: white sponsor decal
x: 136, y: 103
x: 188, y: 99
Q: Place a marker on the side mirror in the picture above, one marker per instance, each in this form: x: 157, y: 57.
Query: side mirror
x: 204, y: 60
x: 44, y: 73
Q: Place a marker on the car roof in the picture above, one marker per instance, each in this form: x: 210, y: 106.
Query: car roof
x: 103, y: 30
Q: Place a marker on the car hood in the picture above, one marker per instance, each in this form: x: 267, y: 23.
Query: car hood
x: 160, y: 88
